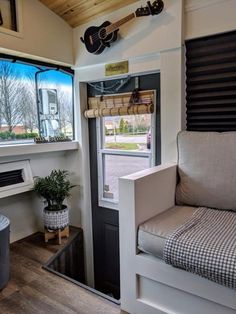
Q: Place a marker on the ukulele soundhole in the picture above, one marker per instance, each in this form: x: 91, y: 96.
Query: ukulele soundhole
x: 102, y: 33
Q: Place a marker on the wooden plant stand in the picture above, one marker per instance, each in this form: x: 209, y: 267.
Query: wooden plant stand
x: 48, y: 235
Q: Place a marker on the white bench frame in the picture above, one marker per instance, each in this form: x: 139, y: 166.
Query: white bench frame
x: 148, y: 285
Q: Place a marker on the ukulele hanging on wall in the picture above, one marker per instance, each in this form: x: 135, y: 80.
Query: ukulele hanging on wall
x: 97, y: 38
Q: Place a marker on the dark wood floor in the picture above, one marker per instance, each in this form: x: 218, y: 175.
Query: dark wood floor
x: 34, y: 290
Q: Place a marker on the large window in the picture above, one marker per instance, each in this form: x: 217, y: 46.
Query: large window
x: 126, y: 145
x: 35, y: 100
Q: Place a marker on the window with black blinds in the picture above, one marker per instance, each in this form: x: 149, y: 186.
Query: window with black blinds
x: 211, y: 83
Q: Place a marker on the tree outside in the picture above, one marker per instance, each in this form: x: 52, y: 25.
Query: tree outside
x: 131, y: 133
x: 11, y: 96
x: 122, y: 125
x: 18, y: 108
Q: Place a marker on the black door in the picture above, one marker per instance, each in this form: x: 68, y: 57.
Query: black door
x: 105, y: 220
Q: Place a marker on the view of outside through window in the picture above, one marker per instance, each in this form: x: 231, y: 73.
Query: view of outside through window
x: 117, y: 166
x: 19, y: 116
x: 128, y: 132
x: 131, y: 136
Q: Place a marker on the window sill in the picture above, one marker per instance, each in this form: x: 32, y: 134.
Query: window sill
x: 25, y: 149
x: 106, y: 203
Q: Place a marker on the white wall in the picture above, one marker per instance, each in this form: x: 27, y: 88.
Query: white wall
x: 139, y: 37
x: 172, y: 105
x: 45, y: 35
x: 23, y: 216
x: 207, y: 17
x: 84, y: 170
x: 25, y: 210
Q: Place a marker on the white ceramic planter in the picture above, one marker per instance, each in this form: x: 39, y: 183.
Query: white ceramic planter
x: 55, y: 220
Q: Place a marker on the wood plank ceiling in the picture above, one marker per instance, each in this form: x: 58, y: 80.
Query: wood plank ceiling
x: 77, y: 12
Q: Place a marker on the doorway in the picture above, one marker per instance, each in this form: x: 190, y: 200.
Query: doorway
x: 105, y: 216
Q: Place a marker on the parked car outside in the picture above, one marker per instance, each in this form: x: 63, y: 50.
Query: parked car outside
x: 149, y: 139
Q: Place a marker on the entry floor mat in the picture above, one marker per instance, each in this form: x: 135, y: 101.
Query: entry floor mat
x: 68, y: 263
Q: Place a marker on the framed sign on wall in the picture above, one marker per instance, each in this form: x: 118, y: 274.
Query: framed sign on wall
x: 8, y: 14
x: 11, y: 17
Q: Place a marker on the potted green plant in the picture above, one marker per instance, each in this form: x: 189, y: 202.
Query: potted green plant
x: 54, y: 188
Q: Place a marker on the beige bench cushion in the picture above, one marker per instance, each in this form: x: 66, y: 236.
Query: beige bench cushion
x: 207, y: 169
x: 153, y: 233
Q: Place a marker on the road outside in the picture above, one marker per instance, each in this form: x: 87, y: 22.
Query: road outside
x: 127, y: 138
x: 119, y: 166
x: 127, y: 142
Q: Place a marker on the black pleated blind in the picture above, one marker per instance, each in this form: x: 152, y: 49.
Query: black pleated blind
x: 211, y: 83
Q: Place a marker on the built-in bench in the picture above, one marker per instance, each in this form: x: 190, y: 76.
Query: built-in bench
x: 155, y: 202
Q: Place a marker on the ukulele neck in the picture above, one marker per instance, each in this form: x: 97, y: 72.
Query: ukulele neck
x: 114, y: 26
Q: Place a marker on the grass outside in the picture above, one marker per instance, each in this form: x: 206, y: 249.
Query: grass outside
x: 124, y: 146
x: 128, y: 134
x: 133, y: 134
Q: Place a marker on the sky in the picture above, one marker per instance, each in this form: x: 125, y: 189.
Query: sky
x: 51, y: 76
x: 51, y: 80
